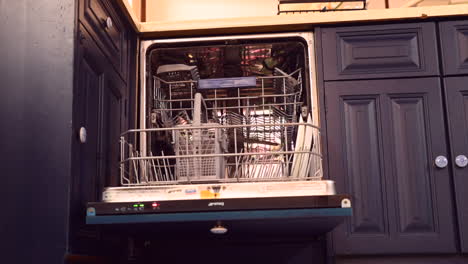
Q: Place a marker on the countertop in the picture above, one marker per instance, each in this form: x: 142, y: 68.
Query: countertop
x: 288, y: 22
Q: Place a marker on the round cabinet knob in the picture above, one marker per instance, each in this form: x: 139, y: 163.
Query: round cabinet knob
x: 82, y: 134
x: 461, y: 161
x: 109, y: 23
x: 441, y: 162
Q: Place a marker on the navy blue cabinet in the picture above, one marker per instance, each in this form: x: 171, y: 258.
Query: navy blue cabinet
x: 108, y: 30
x: 454, y: 43
x: 456, y: 89
x: 100, y: 112
x: 390, y: 113
x: 383, y: 138
x: 368, y: 52
x: 89, y: 151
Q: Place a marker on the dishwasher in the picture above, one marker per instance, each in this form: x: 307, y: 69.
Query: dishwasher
x: 226, y: 124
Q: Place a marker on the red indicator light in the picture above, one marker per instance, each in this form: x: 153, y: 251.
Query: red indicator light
x: 155, y: 204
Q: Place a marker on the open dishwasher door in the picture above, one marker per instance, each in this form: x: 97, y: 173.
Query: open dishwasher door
x: 229, y: 131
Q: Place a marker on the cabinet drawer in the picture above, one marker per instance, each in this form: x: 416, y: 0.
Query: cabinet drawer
x: 101, y: 19
x: 454, y: 39
x: 380, y: 51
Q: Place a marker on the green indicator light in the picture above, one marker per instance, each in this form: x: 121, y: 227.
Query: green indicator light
x: 135, y: 205
x: 142, y: 205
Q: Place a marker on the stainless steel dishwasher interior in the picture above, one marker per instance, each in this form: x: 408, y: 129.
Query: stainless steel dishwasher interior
x: 224, y: 117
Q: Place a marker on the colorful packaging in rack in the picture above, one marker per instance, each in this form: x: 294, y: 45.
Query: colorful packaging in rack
x: 239, y: 82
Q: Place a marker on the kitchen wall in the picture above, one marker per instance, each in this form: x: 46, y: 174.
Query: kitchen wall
x: 136, y: 6
x: 183, y: 10
x: 179, y: 10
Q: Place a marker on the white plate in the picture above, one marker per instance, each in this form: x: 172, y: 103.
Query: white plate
x: 295, y: 170
x: 307, y: 145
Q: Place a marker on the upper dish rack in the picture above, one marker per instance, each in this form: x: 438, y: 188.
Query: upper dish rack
x: 223, y: 130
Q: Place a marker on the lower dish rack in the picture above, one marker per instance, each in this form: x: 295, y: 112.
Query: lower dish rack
x: 223, y: 161
x: 201, y: 155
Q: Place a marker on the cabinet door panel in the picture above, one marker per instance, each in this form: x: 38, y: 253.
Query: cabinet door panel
x: 457, y: 104
x: 92, y: 81
x: 91, y: 74
x: 113, y: 37
x: 99, y: 106
x: 379, y: 51
x: 114, y: 123
x: 365, y: 178
x: 411, y: 175
x: 87, y: 174
x: 454, y: 40
x: 383, y: 136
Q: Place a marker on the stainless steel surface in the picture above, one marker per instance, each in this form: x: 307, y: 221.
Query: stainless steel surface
x: 82, y: 134
x: 441, y: 162
x: 288, y: 97
x: 220, y: 190
x: 308, y: 37
x: 461, y: 161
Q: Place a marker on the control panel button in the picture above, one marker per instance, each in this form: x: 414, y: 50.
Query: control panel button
x: 91, y: 211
